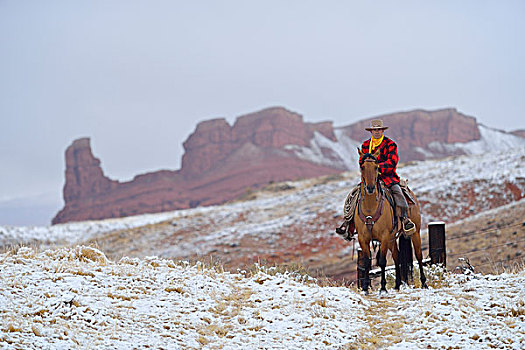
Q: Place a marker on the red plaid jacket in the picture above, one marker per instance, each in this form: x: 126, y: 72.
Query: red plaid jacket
x: 387, y: 160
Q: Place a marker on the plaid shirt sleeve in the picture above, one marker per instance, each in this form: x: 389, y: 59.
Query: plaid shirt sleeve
x: 388, y: 160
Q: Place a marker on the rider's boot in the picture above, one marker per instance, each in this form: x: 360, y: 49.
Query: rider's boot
x: 408, y: 225
x: 346, y: 230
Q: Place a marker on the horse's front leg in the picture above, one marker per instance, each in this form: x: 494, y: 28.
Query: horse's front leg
x: 382, y: 262
x: 365, y: 246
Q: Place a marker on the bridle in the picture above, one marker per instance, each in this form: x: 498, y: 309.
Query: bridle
x: 370, y: 220
x: 367, y: 157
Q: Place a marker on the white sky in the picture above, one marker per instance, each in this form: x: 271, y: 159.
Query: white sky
x: 136, y: 76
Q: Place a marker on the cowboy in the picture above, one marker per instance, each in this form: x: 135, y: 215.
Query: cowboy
x: 387, y: 163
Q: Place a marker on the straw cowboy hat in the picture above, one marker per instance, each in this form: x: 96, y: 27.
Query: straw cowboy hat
x: 376, y: 124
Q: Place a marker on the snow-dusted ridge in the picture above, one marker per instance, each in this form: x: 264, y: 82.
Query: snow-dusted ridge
x: 342, y: 153
x: 491, y: 140
x: 72, y: 232
x: 272, y: 211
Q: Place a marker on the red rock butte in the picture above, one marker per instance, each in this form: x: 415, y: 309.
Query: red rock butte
x: 223, y: 162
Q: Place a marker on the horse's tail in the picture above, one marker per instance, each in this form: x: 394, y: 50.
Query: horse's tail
x: 405, y: 258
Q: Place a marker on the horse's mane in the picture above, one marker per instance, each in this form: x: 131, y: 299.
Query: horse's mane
x: 367, y: 156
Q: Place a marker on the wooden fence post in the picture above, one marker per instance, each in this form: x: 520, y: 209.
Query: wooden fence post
x: 436, y: 243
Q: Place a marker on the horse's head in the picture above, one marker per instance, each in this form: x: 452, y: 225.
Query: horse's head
x: 369, y: 170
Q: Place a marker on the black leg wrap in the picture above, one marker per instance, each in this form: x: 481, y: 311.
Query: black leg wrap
x: 368, y: 264
x: 381, y: 261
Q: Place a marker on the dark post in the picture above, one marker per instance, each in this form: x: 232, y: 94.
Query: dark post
x: 360, y: 268
x: 436, y: 243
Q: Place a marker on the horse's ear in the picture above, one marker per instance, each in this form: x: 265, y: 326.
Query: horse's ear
x: 377, y: 153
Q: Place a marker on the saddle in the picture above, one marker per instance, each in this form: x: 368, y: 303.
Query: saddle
x: 403, y: 183
x: 346, y: 229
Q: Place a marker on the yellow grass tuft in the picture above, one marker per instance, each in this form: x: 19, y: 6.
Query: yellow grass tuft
x: 13, y: 328
x: 321, y: 302
x: 84, y: 253
x: 121, y: 297
x: 203, y: 341
x: 214, y: 330
x: 178, y: 289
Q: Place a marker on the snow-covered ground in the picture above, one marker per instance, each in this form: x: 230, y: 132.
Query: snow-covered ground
x: 75, y: 298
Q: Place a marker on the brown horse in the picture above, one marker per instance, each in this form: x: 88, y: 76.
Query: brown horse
x: 374, y: 221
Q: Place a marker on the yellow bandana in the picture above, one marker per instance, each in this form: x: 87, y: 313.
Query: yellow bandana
x: 374, y: 143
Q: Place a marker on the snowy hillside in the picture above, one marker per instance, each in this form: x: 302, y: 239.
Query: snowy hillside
x: 448, y: 190
x: 75, y: 298
x: 491, y: 140
x: 342, y: 153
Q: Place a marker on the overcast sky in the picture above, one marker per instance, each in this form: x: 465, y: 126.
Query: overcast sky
x: 136, y: 76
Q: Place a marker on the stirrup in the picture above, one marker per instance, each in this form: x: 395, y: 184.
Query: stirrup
x: 408, y: 227
x: 341, y: 230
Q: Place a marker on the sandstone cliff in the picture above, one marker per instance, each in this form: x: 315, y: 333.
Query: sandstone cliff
x: 220, y: 163
x: 223, y: 162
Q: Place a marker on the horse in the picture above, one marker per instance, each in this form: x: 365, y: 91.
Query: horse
x: 374, y: 221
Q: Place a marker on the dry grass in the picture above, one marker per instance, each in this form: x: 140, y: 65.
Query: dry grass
x: 492, y: 242
x: 11, y: 250
x: 178, y: 289
x: 320, y: 302
x: 84, y: 253
x: 214, y: 330
x: 329, y: 178
x: 514, y: 266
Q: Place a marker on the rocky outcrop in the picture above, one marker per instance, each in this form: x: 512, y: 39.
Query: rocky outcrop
x: 223, y: 162
x: 220, y: 163
x: 84, y: 176
x: 85, y: 181
x: 271, y: 129
x: 520, y: 133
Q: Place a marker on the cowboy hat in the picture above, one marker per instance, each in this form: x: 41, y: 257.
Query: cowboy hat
x: 376, y: 124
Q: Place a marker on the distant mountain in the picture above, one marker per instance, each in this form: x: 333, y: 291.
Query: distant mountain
x: 223, y: 162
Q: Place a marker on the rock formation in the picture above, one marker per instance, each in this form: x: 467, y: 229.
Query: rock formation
x: 220, y: 163
x: 223, y: 162
x: 520, y: 133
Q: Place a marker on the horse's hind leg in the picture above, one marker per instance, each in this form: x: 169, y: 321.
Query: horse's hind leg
x: 416, y: 241
x: 395, y: 257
